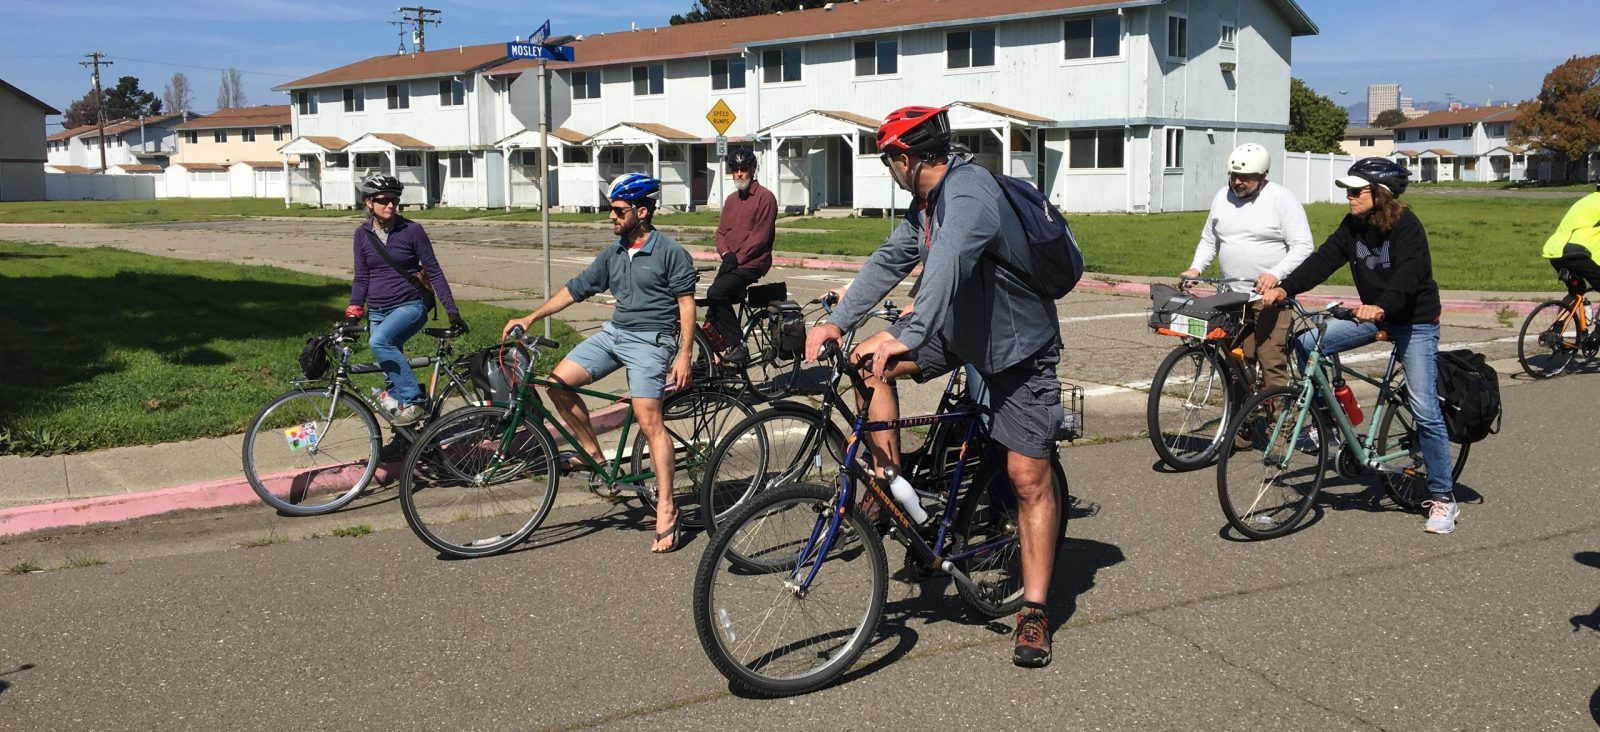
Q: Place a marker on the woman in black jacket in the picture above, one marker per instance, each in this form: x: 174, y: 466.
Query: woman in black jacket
x: 1387, y: 250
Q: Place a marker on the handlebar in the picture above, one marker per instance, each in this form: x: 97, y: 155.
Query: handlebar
x: 519, y: 335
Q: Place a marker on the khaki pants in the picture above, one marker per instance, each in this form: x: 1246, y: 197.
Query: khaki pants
x: 1264, y: 340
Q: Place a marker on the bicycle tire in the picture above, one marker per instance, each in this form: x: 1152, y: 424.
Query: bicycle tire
x: 988, y: 513
x: 832, y: 621
x: 787, y: 443
x: 1399, y: 432
x: 1191, y: 402
x: 696, y: 420
x: 771, y: 376
x: 1254, y: 465
x: 453, y: 507
x: 318, y: 475
x: 1554, y: 343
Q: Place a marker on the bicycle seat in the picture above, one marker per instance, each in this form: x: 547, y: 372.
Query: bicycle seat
x: 440, y: 333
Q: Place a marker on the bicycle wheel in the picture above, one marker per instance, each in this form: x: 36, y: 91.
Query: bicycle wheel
x: 696, y: 421
x: 988, y: 518
x: 771, y: 375
x: 453, y: 396
x: 306, y: 453
x: 789, y: 443
x: 1189, y: 407
x: 463, y: 496
x: 1548, y: 341
x: 770, y: 632
x: 1399, y: 432
x: 1267, y: 476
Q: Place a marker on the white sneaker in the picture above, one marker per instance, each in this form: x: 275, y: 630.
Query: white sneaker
x: 410, y: 414
x: 1441, y: 516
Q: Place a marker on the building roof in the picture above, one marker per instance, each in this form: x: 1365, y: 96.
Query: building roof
x: 444, y: 62
x: 859, y: 119
x: 840, y: 19
x: 130, y: 123
x: 1004, y: 111
x: 1352, y: 132
x: 402, y: 140
x: 1407, y: 153
x: 260, y: 163
x: 266, y: 115
x: 68, y: 168
x: 1462, y: 116
x: 69, y: 133
x: 29, y: 98
x: 1440, y: 152
x: 138, y: 168
x: 204, y: 166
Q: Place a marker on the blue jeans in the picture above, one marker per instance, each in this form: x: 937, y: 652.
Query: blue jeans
x: 388, y: 331
x: 1417, y: 346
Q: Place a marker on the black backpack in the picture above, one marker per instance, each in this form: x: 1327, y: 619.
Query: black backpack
x: 1052, y: 251
x: 1470, y: 390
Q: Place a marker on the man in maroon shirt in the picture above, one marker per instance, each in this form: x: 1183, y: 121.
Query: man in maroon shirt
x: 744, y: 241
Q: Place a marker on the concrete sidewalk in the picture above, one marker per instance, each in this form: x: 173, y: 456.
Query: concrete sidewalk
x: 122, y: 483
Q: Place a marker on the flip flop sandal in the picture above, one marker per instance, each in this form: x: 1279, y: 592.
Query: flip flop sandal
x: 677, y: 538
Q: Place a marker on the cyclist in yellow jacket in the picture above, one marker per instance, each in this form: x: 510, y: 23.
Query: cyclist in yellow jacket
x: 1573, y: 246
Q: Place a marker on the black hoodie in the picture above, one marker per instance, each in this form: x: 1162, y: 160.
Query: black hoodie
x: 1392, y: 271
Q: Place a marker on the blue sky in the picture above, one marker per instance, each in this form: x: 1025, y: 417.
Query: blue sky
x: 1472, y: 49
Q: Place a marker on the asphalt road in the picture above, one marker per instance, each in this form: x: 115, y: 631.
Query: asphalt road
x: 1359, y: 621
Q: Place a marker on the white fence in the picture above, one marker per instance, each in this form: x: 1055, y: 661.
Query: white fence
x: 1311, y: 175
x: 97, y: 187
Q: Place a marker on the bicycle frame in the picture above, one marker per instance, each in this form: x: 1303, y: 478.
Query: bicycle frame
x: 340, y: 381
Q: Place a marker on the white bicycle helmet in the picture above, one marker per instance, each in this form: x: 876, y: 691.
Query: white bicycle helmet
x: 1249, y: 159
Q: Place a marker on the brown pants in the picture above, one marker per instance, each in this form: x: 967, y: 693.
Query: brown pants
x: 1264, y: 340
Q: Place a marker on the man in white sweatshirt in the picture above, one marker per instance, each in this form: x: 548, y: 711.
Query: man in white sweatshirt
x: 1256, y: 230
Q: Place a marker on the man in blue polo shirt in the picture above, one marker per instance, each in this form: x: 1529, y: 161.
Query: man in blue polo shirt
x: 652, y: 278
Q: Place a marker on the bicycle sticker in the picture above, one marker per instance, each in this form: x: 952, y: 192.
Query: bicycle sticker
x: 1185, y: 324
x: 304, y: 435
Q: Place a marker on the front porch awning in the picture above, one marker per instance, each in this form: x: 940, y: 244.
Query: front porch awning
x: 820, y: 123
x: 639, y: 133
x: 1407, y: 153
x: 983, y: 116
x: 1436, y: 153
x: 313, y: 145
x: 385, y: 142
x: 1507, y: 150
x: 559, y: 138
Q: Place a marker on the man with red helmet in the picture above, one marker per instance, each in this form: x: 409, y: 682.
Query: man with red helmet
x: 968, y: 311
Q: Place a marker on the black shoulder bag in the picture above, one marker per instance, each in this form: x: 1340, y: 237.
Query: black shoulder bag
x: 419, y: 280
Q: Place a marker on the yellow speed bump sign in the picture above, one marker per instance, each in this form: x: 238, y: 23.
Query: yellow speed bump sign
x: 721, y: 117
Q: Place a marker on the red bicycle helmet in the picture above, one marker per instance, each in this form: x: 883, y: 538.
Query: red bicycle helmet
x: 917, y: 130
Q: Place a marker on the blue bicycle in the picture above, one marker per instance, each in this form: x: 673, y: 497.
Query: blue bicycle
x: 792, y: 585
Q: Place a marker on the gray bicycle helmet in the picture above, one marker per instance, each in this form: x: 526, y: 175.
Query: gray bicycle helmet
x: 377, y: 183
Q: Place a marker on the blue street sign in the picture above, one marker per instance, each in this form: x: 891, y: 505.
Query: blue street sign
x: 541, y: 34
x: 516, y: 50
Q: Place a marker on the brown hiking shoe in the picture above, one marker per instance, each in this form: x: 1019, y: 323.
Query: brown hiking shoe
x: 1033, y: 638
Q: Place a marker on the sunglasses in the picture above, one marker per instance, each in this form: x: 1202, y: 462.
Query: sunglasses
x: 385, y: 201
x: 620, y: 211
x: 1354, y: 192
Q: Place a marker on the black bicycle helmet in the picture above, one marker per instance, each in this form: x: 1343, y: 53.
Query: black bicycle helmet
x: 741, y: 158
x: 1380, y: 171
x: 377, y: 183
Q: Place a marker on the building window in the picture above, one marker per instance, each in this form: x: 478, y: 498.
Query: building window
x: 307, y: 101
x: 1497, y: 129
x: 1444, y: 133
x: 1230, y: 35
x: 277, y: 134
x: 370, y: 160
x: 969, y: 48
x: 1174, y: 148
x: 1177, y: 36
x: 1466, y: 130
x: 780, y: 65
x: 649, y: 81
x: 219, y: 135
x: 970, y: 141
x: 408, y: 159
x: 247, y: 135
x: 1422, y: 133
x: 1021, y: 141
x: 791, y: 149
x: 337, y: 160
x: 460, y: 165
x: 399, y: 96
x: 452, y: 92
x: 575, y: 155
x: 191, y: 136
x: 727, y: 73
x: 1368, y: 142
x: 1099, y: 36
x: 867, y: 144
x: 586, y: 85
x: 879, y: 57
x: 354, y: 100
x: 1094, y: 149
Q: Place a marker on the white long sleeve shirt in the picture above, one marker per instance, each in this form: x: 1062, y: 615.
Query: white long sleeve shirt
x: 1267, y: 233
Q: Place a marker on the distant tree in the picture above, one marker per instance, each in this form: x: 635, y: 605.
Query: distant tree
x: 1389, y: 118
x: 126, y: 100
x: 1316, y: 124
x: 231, y: 93
x: 1565, y: 119
x: 718, y: 9
x: 82, y: 112
x: 177, y: 95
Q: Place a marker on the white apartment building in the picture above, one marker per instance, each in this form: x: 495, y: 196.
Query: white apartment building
x: 131, y: 141
x: 1464, y: 144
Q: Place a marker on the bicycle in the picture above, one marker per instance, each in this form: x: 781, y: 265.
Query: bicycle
x: 1557, y: 331
x: 773, y: 334
x: 1204, y: 380
x: 314, y: 448
x: 766, y: 562
x: 480, y: 480
x: 1263, y: 485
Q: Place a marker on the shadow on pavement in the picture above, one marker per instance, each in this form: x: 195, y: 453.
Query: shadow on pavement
x: 7, y: 684
x: 1591, y: 620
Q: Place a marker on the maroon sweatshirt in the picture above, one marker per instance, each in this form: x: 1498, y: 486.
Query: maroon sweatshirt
x: 746, y: 228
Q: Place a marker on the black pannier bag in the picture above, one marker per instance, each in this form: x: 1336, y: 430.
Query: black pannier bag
x: 496, y: 371
x: 788, y: 329
x: 314, y: 357
x: 1470, y: 391
x: 1199, y: 317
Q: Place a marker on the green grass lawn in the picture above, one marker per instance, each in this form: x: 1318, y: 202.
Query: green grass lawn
x: 112, y: 348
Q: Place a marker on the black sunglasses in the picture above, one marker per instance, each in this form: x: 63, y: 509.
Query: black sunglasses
x: 384, y: 201
x: 620, y: 211
x: 1354, y: 192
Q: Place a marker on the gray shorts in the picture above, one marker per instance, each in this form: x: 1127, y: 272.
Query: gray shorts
x: 647, y: 357
x: 1024, y: 400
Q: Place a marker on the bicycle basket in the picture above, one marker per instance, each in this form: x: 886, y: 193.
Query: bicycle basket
x: 314, y: 360
x: 496, y: 371
x: 761, y: 296
x: 788, y: 329
x: 1174, y: 312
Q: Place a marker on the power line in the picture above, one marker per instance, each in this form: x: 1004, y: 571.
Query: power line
x: 97, y: 59
x: 419, y: 22
x: 212, y: 68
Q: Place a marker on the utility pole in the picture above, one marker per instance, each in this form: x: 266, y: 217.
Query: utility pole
x: 96, y: 60
x: 419, y: 21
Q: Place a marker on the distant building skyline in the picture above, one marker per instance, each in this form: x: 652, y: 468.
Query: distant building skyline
x: 1381, y: 98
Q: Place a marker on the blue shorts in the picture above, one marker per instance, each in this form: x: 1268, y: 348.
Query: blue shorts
x: 647, y: 357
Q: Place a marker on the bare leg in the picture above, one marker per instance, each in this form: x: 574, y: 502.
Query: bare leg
x: 570, y: 406
x: 883, y: 444
x: 662, y: 458
x: 1036, y: 508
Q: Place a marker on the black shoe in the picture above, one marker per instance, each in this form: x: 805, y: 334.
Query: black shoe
x: 736, y: 354
x: 1033, y: 638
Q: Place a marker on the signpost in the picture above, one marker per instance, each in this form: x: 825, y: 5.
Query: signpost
x: 722, y: 146
x: 542, y: 47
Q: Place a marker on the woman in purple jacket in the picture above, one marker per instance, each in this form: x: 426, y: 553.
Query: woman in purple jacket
x: 393, y: 258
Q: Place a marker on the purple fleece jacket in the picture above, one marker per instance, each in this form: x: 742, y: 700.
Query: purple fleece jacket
x: 378, y: 287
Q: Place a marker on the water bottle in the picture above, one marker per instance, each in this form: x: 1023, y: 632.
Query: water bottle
x: 906, y: 495
x: 389, y: 403
x: 1347, y: 399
